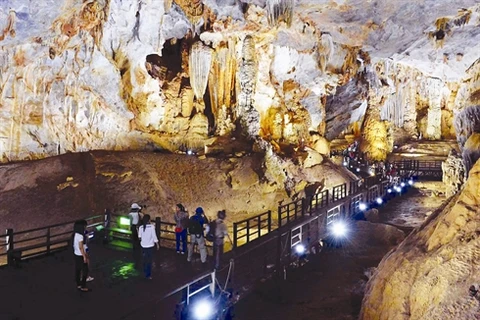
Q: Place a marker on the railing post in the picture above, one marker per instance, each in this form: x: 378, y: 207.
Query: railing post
x: 106, y: 225
x: 304, y: 206
x: 279, y: 216
x: 158, y: 228
x: 48, y: 240
x: 10, y: 247
x: 269, y: 221
x: 259, y: 226
x: 248, y: 231
x: 327, y: 197
x: 235, y: 235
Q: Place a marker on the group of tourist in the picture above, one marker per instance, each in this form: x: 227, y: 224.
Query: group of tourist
x: 143, y: 233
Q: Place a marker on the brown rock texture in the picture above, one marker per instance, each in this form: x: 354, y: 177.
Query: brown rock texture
x: 429, y: 274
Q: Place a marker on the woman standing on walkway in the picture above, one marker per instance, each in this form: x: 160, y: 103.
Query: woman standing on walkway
x: 181, y: 221
x: 148, y: 239
x: 81, y: 258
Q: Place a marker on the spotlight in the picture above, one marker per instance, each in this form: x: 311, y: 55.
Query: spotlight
x: 389, y: 190
x: 339, y: 229
x: 124, y: 221
x: 410, y: 182
x: 358, y: 169
x: 345, y: 163
x: 203, y: 310
x: 362, y: 206
x: 300, y: 249
x: 189, y: 152
x: 398, y: 189
x: 402, y: 184
x: 379, y: 200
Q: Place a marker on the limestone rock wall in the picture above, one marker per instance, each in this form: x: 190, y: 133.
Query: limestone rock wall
x: 121, y: 75
x: 429, y: 274
x: 454, y: 174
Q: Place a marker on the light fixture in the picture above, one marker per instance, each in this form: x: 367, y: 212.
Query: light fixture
x: 389, y: 190
x: 189, y: 152
x: 203, y: 310
x: 339, y: 229
x: 410, y: 182
x: 300, y: 249
x: 362, y: 206
x: 379, y: 200
x: 123, y: 221
x: 358, y: 169
x: 398, y: 189
x: 345, y: 163
x: 402, y: 184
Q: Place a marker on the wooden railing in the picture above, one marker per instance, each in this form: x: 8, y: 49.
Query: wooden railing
x: 252, y: 228
x: 44, y: 240
x: 290, y: 212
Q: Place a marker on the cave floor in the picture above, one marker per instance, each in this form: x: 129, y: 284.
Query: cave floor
x: 45, y: 286
x: 331, y: 284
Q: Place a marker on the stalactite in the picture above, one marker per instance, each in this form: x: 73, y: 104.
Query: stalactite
x: 200, y: 62
x: 325, y: 50
x: 186, y: 97
x: 223, y: 75
x: 280, y: 10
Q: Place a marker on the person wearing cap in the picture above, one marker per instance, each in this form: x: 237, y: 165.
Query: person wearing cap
x: 196, y: 231
x: 135, y: 217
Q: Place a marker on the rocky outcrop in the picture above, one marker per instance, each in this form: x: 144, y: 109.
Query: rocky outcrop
x: 454, y: 174
x: 428, y: 276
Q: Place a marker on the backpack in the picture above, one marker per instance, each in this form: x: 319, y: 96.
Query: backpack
x: 212, y: 226
x: 194, y: 226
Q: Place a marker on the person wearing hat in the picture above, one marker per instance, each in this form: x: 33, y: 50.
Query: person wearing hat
x: 195, y: 229
x: 135, y: 217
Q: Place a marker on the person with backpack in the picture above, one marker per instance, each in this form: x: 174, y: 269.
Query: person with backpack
x: 148, y: 239
x: 195, y: 229
x: 135, y: 219
x: 181, y: 221
x: 220, y: 232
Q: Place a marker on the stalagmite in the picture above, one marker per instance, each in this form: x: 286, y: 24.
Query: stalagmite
x: 200, y: 62
x: 280, y: 10
x: 247, y: 77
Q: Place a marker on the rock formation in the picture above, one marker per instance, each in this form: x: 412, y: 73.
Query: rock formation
x: 454, y: 174
x: 125, y: 75
x: 429, y: 275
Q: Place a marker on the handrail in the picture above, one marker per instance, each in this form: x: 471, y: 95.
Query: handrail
x: 54, y: 225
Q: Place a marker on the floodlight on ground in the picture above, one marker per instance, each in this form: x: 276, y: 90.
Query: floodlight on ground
x: 339, y: 229
x: 123, y: 221
x: 362, y: 206
x: 379, y: 200
x: 389, y: 190
x: 402, y: 184
x: 358, y: 169
x: 189, y: 152
x: 203, y: 310
x: 300, y: 249
x: 410, y: 182
x: 345, y: 163
x: 398, y: 189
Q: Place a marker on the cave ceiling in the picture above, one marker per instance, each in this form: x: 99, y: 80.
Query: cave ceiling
x: 111, y: 74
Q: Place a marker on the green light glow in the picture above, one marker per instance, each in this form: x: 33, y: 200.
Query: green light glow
x: 124, y: 221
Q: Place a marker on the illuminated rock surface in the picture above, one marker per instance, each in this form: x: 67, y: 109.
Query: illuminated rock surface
x: 122, y: 75
x: 429, y: 274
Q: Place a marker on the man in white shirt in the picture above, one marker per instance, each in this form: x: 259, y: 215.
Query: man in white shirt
x: 135, y: 217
